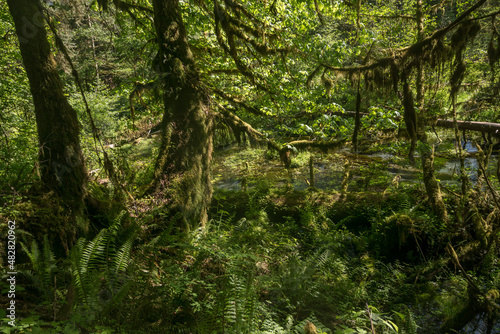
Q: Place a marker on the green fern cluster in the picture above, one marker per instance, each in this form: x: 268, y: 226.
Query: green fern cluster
x: 241, y: 309
x: 100, y: 263
x: 44, y: 267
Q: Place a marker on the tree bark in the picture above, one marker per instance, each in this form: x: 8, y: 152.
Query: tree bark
x: 419, y: 80
x: 410, y: 118
x: 485, y: 127
x: 183, y: 164
x: 420, y: 70
x: 357, y: 120
x: 61, y: 162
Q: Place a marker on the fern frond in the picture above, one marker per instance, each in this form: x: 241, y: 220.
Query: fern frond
x: 322, y: 259
x: 269, y: 326
x: 89, y: 258
x: 85, y: 257
x: 122, y: 256
x: 28, y: 252
x: 79, y: 277
x: 410, y: 325
x: 92, y: 252
x: 48, y: 262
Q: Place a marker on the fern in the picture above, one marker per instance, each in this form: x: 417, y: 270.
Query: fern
x: 269, y: 326
x: 79, y: 270
x: 409, y: 325
x: 299, y: 328
x: 88, y: 258
x: 237, y: 308
x: 321, y: 259
x: 122, y: 257
x: 43, y: 263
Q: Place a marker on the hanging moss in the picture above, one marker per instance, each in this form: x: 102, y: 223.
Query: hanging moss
x: 394, y: 77
x: 457, y: 77
x: 494, y: 52
x: 459, y: 38
x: 440, y: 53
x: 328, y: 83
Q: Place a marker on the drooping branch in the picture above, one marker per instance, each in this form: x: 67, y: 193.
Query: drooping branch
x: 234, y: 35
x: 107, y: 163
x: 235, y: 122
x: 284, y: 150
x: 495, y: 13
x: 381, y: 63
x: 441, y: 32
x: 238, y: 102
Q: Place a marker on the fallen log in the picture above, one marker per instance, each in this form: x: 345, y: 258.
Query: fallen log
x: 485, y: 127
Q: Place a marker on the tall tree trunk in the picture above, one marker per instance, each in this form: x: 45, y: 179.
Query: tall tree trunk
x: 419, y: 80
x: 420, y: 70
x: 357, y: 120
x: 183, y: 164
x: 410, y: 118
x: 60, y: 157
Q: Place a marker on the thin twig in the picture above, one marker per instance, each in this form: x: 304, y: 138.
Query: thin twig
x: 489, y: 185
x: 370, y: 317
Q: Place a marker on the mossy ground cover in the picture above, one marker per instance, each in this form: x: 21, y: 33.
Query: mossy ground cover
x: 273, y: 258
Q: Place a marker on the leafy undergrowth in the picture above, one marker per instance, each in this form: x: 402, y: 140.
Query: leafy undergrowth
x: 272, y: 259
x: 269, y: 261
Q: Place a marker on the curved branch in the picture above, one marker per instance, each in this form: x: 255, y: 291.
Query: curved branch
x: 238, y: 102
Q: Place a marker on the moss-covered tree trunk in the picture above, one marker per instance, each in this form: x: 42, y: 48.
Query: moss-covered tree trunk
x: 61, y: 162
x: 182, y: 168
x: 357, y: 120
x: 410, y: 118
x: 419, y: 15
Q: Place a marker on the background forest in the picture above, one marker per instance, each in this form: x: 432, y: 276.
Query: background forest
x: 233, y: 166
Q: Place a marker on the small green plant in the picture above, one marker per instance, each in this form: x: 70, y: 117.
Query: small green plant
x: 370, y: 320
x: 43, y: 264
x: 97, y: 267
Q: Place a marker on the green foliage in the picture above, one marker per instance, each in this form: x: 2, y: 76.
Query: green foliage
x: 365, y: 319
x: 43, y: 264
x: 98, y: 269
x: 18, y: 143
x: 34, y: 324
x: 269, y: 261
